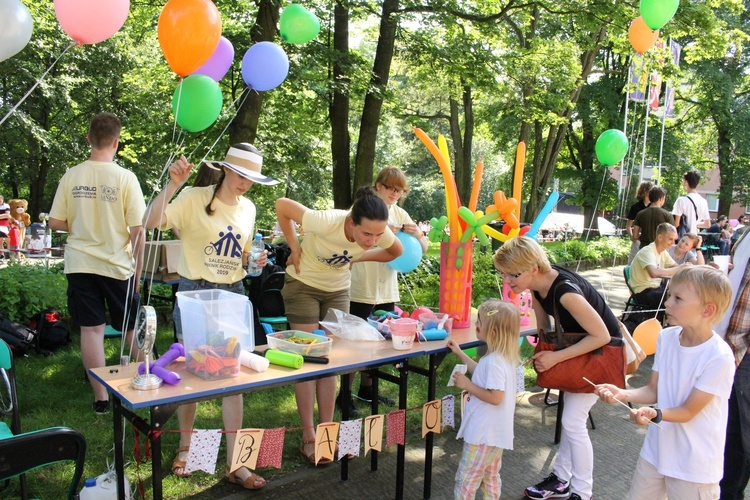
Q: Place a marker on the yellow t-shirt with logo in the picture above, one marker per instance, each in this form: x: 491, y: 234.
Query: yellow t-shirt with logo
x: 640, y: 280
x: 212, y: 246
x: 376, y: 282
x: 100, y: 201
x: 326, y: 253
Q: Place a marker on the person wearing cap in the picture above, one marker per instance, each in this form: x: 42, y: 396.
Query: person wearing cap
x: 318, y: 277
x: 216, y: 225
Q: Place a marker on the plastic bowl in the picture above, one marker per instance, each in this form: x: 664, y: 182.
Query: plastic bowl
x: 430, y: 320
x: 282, y: 342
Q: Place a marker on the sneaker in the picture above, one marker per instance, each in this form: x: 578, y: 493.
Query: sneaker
x: 574, y: 496
x: 365, y: 394
x: 551, y: 487
x: 353, y: 410
x: 101, y: 407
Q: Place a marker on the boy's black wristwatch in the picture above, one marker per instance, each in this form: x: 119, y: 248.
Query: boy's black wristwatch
x: 657, y: 418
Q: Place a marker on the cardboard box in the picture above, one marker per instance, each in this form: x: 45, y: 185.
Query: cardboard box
x: 160, y: 260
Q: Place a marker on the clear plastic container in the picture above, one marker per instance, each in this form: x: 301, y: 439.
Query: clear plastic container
x: 433, y: 320
x: 216, y: 326
x: 299, y: 342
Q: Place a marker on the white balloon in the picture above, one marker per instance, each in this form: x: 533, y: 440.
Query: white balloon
x: 15, y: 28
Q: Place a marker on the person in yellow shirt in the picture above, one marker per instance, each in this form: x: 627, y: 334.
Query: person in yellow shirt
x: 216, y: 225
x: 318, y: 278
x: 100, y: 205
x: 375, y: 284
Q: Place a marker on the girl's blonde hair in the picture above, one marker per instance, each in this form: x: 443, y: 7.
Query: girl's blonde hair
x: 502, y: 323
x: 521, y: 254
x: 710, y: 284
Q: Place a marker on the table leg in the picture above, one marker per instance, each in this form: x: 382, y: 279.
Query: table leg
x: 345, y: 393
x: 119, y: 447
x: 159, y: 415
x: 403, y: 370
x: 435, y: 361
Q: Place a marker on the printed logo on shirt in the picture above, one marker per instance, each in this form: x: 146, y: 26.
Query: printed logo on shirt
x: 337, y: 261
x: 109, y: 194
x: 84, y: 192
x: 225, y: 255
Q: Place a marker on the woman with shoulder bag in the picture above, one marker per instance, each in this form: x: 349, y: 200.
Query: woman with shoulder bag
x: 523, y: 264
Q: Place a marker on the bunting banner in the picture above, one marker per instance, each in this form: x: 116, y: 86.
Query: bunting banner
x: 247, y: 444
x: 271, y: 448
x: 350, y: 435
x: 326, y: 436
x: 396, y: 428
x: 204, y: 449
x: 449, y: 419
x: 431, y: 417
x: 374, y: 433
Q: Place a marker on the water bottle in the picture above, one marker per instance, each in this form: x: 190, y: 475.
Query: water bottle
x: 256, y: 250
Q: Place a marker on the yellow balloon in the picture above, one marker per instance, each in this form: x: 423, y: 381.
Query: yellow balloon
x: 646, y: 334
x: 513, y: 233
x: 494, y: 233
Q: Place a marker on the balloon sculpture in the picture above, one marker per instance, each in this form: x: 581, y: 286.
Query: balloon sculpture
x: 15, y: 28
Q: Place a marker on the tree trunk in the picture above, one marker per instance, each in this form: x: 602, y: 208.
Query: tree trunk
x: 368, y: 129
x: 339, y: 110
x: 244, y: 127
x: 726, y: 168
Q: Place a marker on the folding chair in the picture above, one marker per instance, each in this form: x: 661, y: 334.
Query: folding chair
x: 24, y: 452
x: 269, y: 303
x: 632, y: 304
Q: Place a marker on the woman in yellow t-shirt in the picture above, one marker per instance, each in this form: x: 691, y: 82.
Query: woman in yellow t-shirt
x: 216, y: 226
x: 375, y: 284
x: 318, y: 278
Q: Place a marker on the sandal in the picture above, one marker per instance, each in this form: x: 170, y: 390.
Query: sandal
x: 178, y: 464
x: 311, y: 456
x: 251, y: 483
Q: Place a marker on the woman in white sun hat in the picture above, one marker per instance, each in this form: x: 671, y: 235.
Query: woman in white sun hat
x: 220, y: 219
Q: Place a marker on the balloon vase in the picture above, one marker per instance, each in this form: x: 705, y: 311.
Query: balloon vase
x: 456, y: 263
x: 522, y: 301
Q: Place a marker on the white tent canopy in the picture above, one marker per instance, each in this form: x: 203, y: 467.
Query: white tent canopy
x: 556, y: 221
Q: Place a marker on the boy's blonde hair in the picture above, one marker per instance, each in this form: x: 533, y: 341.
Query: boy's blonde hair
x: 503, y: 327
x: 710, y: 284
x: 521, y: 254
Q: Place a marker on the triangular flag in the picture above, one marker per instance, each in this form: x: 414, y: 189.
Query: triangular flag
x: 374, y: 433
x: 449, y: 417
x: 204, y: 448
x: 350, y: 436
x: 271, y: 448
x: 247, y: 444
x: 431, y: 418
x: 396, y: 429
x: 326, y: 436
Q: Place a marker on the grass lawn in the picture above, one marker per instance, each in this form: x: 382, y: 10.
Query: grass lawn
x: 53, y: 391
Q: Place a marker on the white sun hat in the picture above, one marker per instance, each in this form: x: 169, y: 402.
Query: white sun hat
x: 245, y: 160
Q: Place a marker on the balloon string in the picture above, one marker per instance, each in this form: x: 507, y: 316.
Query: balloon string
x: 177, y: 110
x: 243, y: 96
x: 36, y: 84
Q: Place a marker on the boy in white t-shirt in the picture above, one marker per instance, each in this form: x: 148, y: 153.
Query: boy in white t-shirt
x: 682, y: 458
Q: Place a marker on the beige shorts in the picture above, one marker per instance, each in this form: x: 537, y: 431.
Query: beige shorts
x: 305, y: 305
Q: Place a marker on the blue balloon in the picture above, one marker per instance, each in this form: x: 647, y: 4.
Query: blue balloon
x: 409, y: 260
x: 264, y: 66
x: 546, y: 209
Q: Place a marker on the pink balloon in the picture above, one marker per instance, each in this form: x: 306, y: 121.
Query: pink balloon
x: 91, y: 21
x: 220, y: 61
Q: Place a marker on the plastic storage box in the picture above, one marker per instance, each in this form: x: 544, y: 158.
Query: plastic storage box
x: 299, y: 342
x: 216, y: 326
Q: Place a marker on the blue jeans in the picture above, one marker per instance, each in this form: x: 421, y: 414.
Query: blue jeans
x: 737, y: 447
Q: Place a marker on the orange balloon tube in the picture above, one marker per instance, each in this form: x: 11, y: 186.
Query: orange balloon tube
x: 474, y: 199
x: 518, y: 175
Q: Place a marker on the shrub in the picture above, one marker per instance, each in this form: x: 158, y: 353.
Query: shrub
x: 31, y: 288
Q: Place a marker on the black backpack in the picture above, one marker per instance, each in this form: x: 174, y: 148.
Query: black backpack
x: 18, y: 337
x: 51, y: 331
x: 683, y: 228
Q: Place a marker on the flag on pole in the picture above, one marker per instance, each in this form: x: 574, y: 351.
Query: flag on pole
x: 676, y: 50
x: 638, y: 78
x: 654, y: 90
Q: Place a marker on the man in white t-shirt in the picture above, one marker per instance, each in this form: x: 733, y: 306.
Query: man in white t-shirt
x: 692, y: 206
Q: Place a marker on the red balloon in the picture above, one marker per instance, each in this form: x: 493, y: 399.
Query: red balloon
x: 506, y: 229
x: 189, y: 32
x: 524, y: 230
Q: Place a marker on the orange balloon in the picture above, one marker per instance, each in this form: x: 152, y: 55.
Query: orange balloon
x: 189, y: 32
x: 641, y: 36
x: 646, y: 334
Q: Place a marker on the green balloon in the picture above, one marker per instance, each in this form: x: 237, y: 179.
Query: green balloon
x: 200, y: 102
x: 657, y: 13
x: 298, y: 25
x: 611, y: 147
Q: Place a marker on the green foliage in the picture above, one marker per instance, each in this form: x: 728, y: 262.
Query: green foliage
x: 29, y: 289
